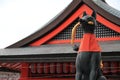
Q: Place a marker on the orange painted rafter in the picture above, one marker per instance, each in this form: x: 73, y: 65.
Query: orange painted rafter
x: 108, y: 24
x: 59, y: 29
x: 14, y: 66
x: 70, y: 20
x: 79, y: 40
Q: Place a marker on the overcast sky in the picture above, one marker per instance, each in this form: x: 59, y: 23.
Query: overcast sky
x: 20, y: 18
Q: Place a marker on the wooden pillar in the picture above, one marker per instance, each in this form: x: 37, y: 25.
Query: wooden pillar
x: 59, y: 68
x: 119, y: 68
x: 72, y: 68
x: 106, y: 68
x: 24, y: 71
x: 66, y: 67
x: 46, y: 68
x: 114, y: 67
x: 40, y: 68
x: 52, y: 68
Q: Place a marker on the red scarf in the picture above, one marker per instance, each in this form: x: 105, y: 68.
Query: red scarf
x: 89, y: 43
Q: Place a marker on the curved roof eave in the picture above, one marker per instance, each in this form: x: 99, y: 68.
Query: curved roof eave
x: 50, y: 26
x: 105, y: 13
x: 107, y: 8
x: 72, y: 7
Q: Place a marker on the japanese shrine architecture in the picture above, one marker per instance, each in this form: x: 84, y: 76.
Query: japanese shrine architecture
x: 48, y: 55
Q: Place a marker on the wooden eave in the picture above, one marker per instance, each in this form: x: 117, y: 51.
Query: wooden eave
x: 74, y: 5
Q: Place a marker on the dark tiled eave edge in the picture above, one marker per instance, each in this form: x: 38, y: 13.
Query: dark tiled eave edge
x: 69, y: 57
x: 109, y: 46
x: 107, y: 8
x: 75, y: 4
x: 58, y: 52
x: 103, y: 12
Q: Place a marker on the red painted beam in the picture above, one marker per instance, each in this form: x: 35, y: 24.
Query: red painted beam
x: 24, y: 71
x: 79, y: 40
x: 70, y: 20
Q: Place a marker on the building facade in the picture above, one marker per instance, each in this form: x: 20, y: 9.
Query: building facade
x: 47, y: 53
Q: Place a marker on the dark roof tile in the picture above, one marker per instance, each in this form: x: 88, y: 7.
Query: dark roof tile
x: 107, y: 8
x: 107, y: 46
